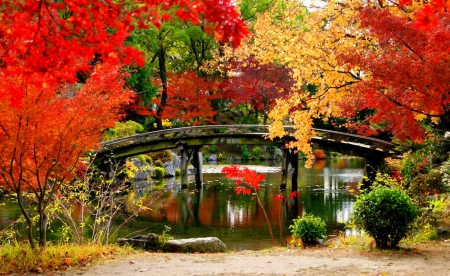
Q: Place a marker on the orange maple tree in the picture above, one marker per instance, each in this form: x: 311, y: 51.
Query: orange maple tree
x: 189, y: 99
x: 41, y: 142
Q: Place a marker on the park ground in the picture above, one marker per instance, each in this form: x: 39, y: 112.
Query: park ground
x: 431, y: 259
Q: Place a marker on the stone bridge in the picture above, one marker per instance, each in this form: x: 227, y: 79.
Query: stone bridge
x: 189, y: 140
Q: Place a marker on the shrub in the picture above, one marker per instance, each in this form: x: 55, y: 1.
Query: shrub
x: 163, y: 155
x: 387, y: 214
x: 309, y: 229
x: 213, y: 149
x: 257, y: 153
x: 319, y: 154
x: 123, y: 129
x: 159, y: 163
x: 177, y: 172
x: 158, y: 172
x: 426, y: 184
x: 245, y: 154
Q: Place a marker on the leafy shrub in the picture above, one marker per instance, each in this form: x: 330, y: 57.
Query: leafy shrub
x: 213, y: 149
x: 163, y: 155
x: 245, y: 154
x: 177, y: 171
x: 319, y: 154
x: 387, y: 214
x: 426, y: 184
x: 309, y: 229
x: 159, y: 163
x: 257, y: 153
x: 123, y: 129
x: 158, y: 172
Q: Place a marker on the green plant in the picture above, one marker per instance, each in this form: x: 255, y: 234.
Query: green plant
x: 165, y: 237
x: 309, y: 229
x: 425, y: 185
x: 387, y: 214
x: 213, y: 149
x: 257, y: 153
x: 245, y: 154
x: 158, y: 172
x: 123, y: 129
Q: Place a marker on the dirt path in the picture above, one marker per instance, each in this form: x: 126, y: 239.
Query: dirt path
x: 430, y: 260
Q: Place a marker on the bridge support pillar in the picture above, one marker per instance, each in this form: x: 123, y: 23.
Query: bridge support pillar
x: 290, y: 156
x: 194, y: 156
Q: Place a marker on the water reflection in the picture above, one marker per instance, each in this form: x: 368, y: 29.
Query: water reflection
x: 216, y: 210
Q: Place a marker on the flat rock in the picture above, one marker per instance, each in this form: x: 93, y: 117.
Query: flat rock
x: 199, y: 245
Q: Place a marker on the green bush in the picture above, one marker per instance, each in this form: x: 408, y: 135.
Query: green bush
x: 213, y: 149
x: 309, y: 229
x: 387, y: 214
x: 245, y: 154
x: 177, y: 172
x: 158, y: 172
x: 257, y: 153
x: 123, y: 129
x: 425, y: 185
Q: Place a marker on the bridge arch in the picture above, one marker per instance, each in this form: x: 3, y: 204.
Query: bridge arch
x: 189, y: 141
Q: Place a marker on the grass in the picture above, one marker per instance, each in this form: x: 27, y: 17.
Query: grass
x: 20, y: 258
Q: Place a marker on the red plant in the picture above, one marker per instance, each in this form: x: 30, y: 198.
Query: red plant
x: 320, y: 154
x: 247, y: 181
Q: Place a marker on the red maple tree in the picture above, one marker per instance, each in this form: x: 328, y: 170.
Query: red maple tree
x: 189, y: 99
x: 256, y: 85
x: 49, y: 42
x: 408, y: 84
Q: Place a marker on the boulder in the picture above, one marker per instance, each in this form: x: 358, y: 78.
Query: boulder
x: 443, y: 232
x: 199, y: 245
x: 212, y: 157
x: 146, y: 242
x: 176, y: 161
x: 169, y: 169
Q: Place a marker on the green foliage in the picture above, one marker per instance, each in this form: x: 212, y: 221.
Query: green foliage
x: 213, y: 149
x: 177, y: 171
x: 270, y: 149
x: 257, y: 153
x: 309, y: 229
x: 244, y: 152
x: 165, y: 237
x: 144, y: 158
x: 387, y: 214
x: 163, y: 155
x: 158, y: 172
x: 123, y: 129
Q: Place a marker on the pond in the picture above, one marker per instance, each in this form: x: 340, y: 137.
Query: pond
x: 217, y: 211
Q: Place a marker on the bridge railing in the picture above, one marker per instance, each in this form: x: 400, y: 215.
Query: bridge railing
x: 224, y: 130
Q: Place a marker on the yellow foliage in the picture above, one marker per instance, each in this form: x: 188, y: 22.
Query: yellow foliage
x: 309, y: 44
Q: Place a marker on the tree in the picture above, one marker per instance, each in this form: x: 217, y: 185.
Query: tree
x: 189, y: 99
x: 256, y: 85
x: 311, y: 44
x: 406, y: 83
x: 47, y: 50
x: 42, y: 141
x: 56, y: 40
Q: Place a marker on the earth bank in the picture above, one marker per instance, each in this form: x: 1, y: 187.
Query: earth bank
x: 419, y: 259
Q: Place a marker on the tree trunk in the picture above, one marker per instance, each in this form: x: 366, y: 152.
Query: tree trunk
x: 27, y: 218
x: 163, y: 76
